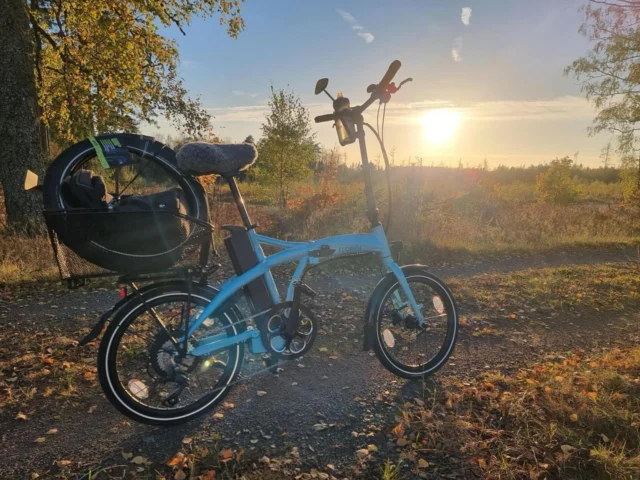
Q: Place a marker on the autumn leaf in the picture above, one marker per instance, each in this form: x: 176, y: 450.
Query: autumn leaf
x: 139, y: 460
x: 52, y: 431
x: 226, y: 455
x: 176, y: 460
x: 422, y: 463
x: 210, y: 475
x: 398, y: 430
x: 187, y: 440
x: 180, y: 475
x: 574, y: 417
x: 566, y: 449
x: 40, y: 440
x: 21, y: 416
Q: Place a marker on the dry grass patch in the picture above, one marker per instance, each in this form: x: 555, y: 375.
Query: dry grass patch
x: 575, y: 417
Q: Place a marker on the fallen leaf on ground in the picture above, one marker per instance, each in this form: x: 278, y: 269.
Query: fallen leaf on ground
x: 362, y: 453
x: 566, y: 449
x: 261, y: 393
x: 226, y: 454
x: 187, y: 440
x: 398, y: 430
x: 180, y: 475
x: 40, y: 440
x: 139, y: 460
x: 21, y: 416
x: 53, y: 431
x: 176, y: 460
x: 422, y: 463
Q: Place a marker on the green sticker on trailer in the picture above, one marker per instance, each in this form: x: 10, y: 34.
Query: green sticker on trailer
x: 99, y: 152
x: 111, y: 153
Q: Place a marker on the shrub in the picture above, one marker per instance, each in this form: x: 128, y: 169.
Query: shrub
x: 556, y: 185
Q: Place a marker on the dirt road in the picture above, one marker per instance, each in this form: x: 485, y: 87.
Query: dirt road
x: 343, y: 387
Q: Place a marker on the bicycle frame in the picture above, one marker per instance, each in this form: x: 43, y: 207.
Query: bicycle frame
x: 306, y: 253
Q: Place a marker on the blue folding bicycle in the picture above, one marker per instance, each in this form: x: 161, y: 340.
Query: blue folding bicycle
x: 175, y: 349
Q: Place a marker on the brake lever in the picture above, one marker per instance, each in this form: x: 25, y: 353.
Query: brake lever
x: 392, y: 86
x: 405, y: 81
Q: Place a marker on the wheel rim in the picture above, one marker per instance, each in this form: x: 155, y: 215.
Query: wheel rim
x: 134, y: 376
x: 402, y: 341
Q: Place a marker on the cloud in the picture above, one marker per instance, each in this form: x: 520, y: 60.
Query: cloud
x: 368, y: 37
x: 242, y: 93
x: 456, y: 49
x: 407, y: 113
x: 559, y: 108
x: 350, y: 19
x: 346, y: 16
x: 465, y: 16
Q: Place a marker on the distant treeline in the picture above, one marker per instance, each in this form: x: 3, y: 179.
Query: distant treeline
x: 499, y: 175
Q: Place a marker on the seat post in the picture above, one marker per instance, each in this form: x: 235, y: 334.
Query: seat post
x: 237, y: 197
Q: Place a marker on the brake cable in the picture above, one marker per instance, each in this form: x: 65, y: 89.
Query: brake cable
x: 387, y: 171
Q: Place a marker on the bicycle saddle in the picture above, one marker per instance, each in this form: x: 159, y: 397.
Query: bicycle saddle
x: 201, y: 158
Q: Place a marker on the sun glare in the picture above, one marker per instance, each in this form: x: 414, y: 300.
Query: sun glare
x: 440, y: 125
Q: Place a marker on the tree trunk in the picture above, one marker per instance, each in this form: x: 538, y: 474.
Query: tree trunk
x: 20, y: 147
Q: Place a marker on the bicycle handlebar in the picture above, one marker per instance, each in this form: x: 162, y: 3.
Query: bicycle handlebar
x: 391, y: 72
x: 375, y: 90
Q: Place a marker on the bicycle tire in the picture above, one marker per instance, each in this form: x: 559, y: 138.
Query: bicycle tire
x: 382, y: 292
x: 124, y: 317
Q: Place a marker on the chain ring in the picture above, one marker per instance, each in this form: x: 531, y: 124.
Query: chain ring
x: 302, y: 341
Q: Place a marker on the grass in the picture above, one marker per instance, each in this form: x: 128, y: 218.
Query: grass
x: 553, y: 291
x: 578, y: 417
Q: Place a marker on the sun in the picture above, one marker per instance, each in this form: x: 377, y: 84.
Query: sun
x: 440, y: 125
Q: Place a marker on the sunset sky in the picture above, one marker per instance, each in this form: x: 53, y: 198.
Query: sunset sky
x: 488, y: 74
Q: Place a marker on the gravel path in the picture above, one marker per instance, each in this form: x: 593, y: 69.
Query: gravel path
x: 343, y: 387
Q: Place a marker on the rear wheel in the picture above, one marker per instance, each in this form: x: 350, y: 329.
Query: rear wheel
x: 402, y: 345
x: 146, y: 376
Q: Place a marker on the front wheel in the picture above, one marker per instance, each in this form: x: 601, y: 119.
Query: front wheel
x: 403, y: 346
x: 147, y: 377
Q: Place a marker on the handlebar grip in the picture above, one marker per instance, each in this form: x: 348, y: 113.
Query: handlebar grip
x: 325, y: 118
x: 391, y: 72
